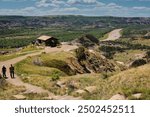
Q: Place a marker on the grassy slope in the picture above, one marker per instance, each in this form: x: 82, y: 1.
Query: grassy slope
x: 127, y: 56
x: 7, y: 90
x: 27, y: 50
x: 135, y: 80
x: 48, y: 68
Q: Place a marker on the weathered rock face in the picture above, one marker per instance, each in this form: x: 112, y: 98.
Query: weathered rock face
x: 147, y: 36
x: 86, y: 41
x: 147, y: 56
x: 137, y: 63
x: 91, y: 63
x: 75, y: 65
x: 4, y: 52
x: 94, y: 62
x: 141, y: 59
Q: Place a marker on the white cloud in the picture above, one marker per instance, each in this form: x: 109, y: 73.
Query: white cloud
x: 42, y: 3
x: 77, y: 7
x: 113, y: 5
x: 73, y: 1
x: 51, y: 3
x: 141, y: 8
x: 70, y: 9
x: 15, y: 0
x: 82, y: 2
x: 29, y: 9
x: 89, y: 1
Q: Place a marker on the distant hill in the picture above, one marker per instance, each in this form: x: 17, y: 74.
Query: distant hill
x: 70, y: 20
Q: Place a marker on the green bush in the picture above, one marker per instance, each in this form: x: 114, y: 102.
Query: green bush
x: 55, y: 77
x: 80, y: 53
x: 14, y: 43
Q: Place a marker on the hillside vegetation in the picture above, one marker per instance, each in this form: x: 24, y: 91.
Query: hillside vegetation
x: 127, y: 83
x: 73, y: 21
x: 18, y: 31
x: 97, y: 69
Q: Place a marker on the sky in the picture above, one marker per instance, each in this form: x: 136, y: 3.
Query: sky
x: 121, y: 8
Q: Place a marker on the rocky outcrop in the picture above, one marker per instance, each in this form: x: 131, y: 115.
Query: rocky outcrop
x: 147, y: 56
x: 87, y: 41
x: 4, y: 52
x: 137, y: 62
x: 92, y: 62
x: 75, y: 65
x: 147, y: 36
x: 141, y: 59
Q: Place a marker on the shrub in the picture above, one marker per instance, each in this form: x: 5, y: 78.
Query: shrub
x: 55, y: 77
x: 80, y: 53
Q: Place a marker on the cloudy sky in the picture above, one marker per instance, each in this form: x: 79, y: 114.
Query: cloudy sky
x: 131, y: 8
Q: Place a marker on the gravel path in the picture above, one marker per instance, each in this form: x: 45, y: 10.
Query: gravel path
x: 32, y: 88
x: 113, y: 35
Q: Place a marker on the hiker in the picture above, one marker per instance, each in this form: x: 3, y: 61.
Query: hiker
x: 4, y: 71
x: 12, y: 73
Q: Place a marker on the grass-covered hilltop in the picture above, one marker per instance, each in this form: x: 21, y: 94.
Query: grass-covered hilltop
x: 96, y: 57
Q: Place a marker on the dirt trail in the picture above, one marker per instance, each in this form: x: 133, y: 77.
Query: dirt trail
x: 31, y: 88
x: 113, y: 35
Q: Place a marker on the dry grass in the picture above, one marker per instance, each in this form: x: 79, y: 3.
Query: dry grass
x: 142, y: 41
x: 7, y: 91
x: 132, y: 81
x: 127, y: 56
x: 27, y: 50
x: 136, y: 80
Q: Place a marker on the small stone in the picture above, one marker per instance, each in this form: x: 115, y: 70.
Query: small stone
x: 19, y: 97
x: 48, y: 98
x: 118, y: 97
x: 60, y: 84
x: 137, y: 96
x: 90, y: 89
x: 73, y: 85
x: 121, y: 63
x: 22, y: 75
x: 80, y: 91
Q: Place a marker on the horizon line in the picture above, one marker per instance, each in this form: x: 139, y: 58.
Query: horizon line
x: 76, y: 15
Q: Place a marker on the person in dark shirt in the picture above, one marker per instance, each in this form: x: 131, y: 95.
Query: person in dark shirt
x: 12, y: 71
x: 4, y: 71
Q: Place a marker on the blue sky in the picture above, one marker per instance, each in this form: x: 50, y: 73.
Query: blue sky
x: 125, y: 8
